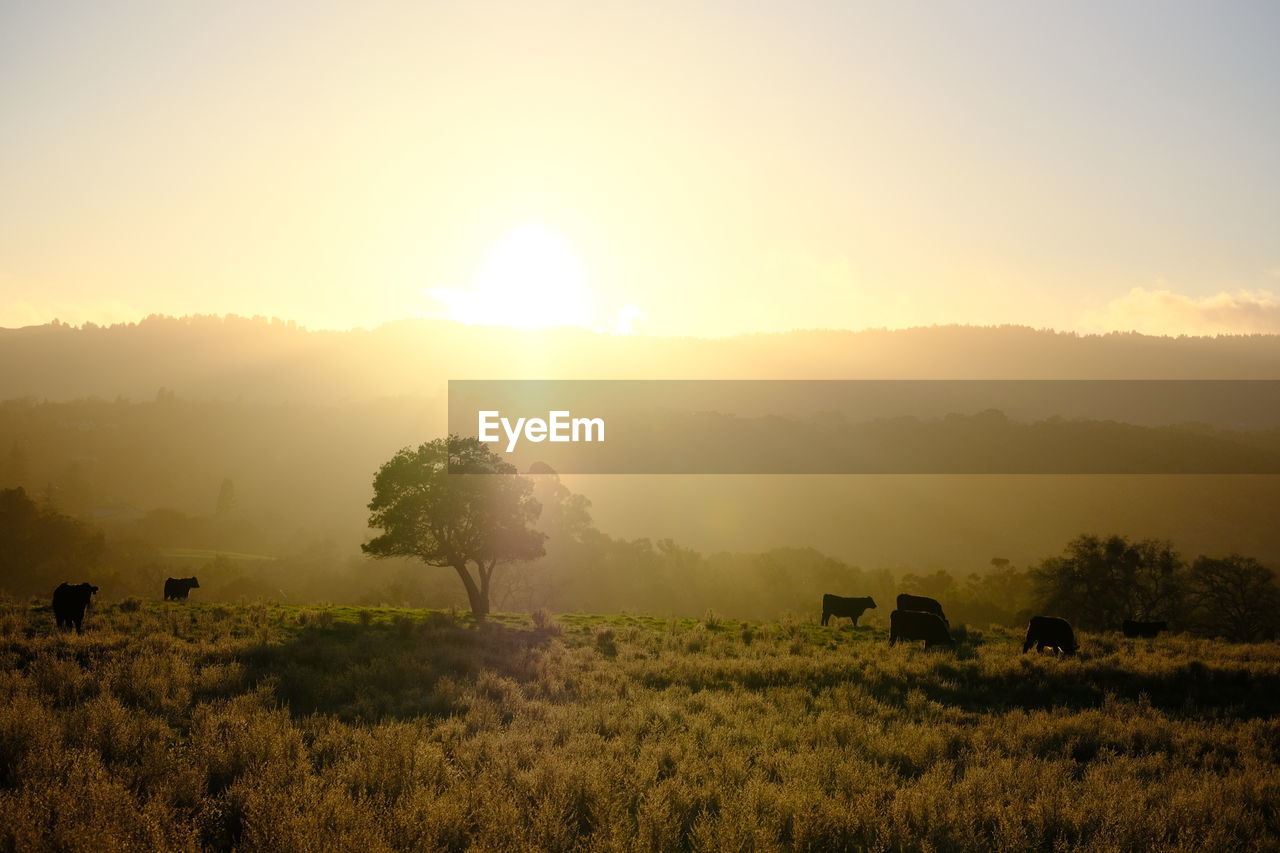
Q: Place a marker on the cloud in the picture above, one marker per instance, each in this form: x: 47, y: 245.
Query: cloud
x: 1163, y: 312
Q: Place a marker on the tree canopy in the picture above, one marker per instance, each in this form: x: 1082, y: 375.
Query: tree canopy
x: 453, y: 502
x: 1234, y: 597
x: 40, y: 547
x: 1101, y: 581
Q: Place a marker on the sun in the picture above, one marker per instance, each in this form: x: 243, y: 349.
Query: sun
x: 531, y: 278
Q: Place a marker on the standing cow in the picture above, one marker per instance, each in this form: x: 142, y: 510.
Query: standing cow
x: 916, y: 625
x: 70, y: 602
x: 922, y: 603
x: 1051, y: 632
x: 1143, y: 629
x: 838, y: 605
x: 177, y: 589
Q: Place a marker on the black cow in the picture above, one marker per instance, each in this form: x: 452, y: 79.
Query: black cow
x: 177, y: 589
x: 1051, y: 632
x: 1144, y: 629
x: 916, y: 625
x: 922, y: 603
x: 838, y: 605
x: 70, y: 602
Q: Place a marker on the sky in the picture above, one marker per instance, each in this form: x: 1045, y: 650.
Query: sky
x: 695, y: 168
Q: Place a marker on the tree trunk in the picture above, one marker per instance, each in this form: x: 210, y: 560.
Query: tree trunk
x: 486, y: 574
x: 479, y: 598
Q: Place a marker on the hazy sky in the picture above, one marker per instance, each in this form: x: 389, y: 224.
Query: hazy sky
x: 717, y: 167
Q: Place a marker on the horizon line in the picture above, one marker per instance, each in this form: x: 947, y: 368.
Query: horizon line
x: 274, y: 321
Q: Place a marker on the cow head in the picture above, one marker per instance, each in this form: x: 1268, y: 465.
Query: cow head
x: 195, y: 584
x: 871, y: 603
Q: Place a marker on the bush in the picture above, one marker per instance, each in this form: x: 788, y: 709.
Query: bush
x: 605, y: 643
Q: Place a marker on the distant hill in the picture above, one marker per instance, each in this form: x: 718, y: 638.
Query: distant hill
x: 235, y: 358
x: 300, y: 420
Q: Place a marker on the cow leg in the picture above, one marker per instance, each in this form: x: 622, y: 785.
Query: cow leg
x: 826, y: 617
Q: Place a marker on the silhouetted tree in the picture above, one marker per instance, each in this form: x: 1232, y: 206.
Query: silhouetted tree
x: 40, y: 547
x: 226, y: 497
x: 15, y: 470
x: 454, y: 503
x: 1099, y: 582
x: 570, y: 545
x: 1234, y: 597
x: 940, y: 584
x: 1001, y: 594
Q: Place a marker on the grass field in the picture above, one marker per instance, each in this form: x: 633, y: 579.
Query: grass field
x: 280, y: 728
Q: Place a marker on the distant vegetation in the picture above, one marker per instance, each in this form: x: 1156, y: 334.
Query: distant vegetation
x: 286, y: 728
x: 300, y: 480
x: 1096, y: 582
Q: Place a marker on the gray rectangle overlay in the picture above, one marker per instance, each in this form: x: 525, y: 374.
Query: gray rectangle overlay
x: 876, y: 426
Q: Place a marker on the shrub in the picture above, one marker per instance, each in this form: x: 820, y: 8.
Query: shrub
x: 605, y: 643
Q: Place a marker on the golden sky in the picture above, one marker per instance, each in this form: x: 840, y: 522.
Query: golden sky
x: 664, y: 168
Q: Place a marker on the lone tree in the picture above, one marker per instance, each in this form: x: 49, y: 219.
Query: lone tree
x: 454, y: 503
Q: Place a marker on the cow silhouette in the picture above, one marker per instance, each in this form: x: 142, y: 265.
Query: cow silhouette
x: 922, y: 603
x: 1050, y: 632
x: 916, y: 625
x: 70, y: 603
x: 177, y: 589
x: 838, y: 605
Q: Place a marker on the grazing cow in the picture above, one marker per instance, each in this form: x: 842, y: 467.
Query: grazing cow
x: 838, y: 605
x: 70, y: 602
x: 922, y: 603
x: 177, y: 589
x: 1144, y: 629
x: 1052, y: 632
x: 917, y: 625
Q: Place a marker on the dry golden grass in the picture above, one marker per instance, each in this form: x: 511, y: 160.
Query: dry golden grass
x: 267, y: 728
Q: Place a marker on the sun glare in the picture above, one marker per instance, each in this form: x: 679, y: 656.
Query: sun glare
x: 531, y: 278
